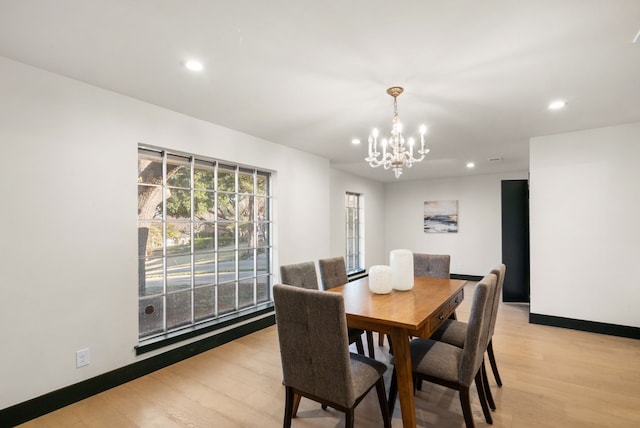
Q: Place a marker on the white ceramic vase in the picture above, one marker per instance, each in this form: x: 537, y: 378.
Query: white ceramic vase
x: 380, y: 279
x: 401, y: 262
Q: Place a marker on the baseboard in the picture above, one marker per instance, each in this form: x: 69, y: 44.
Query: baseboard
x: 31, y: 409
x: 452, y: 276
x: 466, y: 277
x: 582, y: 325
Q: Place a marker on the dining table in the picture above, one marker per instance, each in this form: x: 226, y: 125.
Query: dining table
x: 417, y: 312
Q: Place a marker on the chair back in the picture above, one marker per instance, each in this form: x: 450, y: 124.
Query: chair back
x: 431, y: 265
x: 499, y: 271
x: 333, y: 272
x: 300, y: 275
x: 314, y: 348
x: 475, y: 342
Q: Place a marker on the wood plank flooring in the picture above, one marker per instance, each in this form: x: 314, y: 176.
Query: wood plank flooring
x: 552, y: 377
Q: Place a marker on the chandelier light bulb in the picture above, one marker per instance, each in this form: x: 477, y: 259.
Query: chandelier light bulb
x: 423, y: 129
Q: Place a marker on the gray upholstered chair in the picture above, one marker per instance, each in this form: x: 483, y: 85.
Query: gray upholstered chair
x: 316, y: 362
x: 454, y: 332
x: 431, y: 265
x: 333, y: 272
x: 300, y: 275
x: 304, y: 275
x: 455, y: 367
x: 500, y: 271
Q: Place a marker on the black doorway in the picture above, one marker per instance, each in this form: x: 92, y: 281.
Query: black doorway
x: 515, y: 240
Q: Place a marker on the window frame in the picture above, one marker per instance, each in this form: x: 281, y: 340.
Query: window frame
x: 354, y: 233
x: 257, y: 216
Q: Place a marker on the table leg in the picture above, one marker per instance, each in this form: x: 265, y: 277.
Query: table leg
x: 402, y: 361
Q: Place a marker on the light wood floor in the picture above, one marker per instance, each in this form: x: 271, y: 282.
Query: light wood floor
x: 552, y: 377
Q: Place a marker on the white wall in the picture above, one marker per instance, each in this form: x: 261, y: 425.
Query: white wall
x: 476, y: 247
x: 374, y: 201
x: 585, y: 225
x: 68, y: 172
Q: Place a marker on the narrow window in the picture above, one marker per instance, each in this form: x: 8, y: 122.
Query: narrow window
x: 204, y: 242
x: 354, y: 232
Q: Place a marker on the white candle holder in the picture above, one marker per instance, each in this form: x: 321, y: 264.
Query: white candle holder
x: 401, y: 262
x: 380, y: 279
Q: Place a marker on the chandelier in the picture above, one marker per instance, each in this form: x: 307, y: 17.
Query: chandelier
x: 395, y: 152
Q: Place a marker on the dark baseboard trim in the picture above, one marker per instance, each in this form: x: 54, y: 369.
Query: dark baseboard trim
x: 582, y: 325
x: 452, y: 276
x: 31, y: 409
x: 466, y: 277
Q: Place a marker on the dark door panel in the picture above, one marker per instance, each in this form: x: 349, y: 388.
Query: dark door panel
x: 515, y: 240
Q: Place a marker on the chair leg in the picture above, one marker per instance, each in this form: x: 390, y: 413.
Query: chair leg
x: 466, y: 407
x: 492, y: 360
x: 288, y: 406
x: 296, y: 404
x: 485, y: 384
x: 393, y: 392
x: 382, y: 399
x: 372, y: 352
x: 348, y: 423
x: 360, y: 346
x: 483, y: 398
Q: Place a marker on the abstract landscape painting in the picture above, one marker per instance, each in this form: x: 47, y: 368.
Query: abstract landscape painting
x: 441, y: 216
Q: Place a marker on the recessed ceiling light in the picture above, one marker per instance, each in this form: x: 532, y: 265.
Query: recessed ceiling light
x: 355, y: 141
x: 470, y: 164
x: 557, y: 105
x: 194, y: 65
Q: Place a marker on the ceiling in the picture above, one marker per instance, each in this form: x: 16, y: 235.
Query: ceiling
x: 313, y: 75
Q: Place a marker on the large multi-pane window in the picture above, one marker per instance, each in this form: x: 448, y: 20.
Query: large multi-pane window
x: 204, y: 241
x: 354, y: 232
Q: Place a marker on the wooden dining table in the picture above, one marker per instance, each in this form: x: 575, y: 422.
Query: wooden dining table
x: 402, y: 314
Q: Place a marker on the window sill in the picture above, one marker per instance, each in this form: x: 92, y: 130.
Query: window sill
x: 158, y: 342
x: 357, y: 275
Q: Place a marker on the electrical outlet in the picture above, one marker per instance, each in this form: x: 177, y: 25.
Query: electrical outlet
x: 82, y: 357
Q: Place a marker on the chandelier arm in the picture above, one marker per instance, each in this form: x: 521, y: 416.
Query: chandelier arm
x: 374, y: 161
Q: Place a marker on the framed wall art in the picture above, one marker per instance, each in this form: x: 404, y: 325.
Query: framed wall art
x: 441, y: 216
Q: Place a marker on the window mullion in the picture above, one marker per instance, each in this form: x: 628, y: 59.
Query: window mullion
x: 192, y: 257
x: 237, y: 237
x: 254, y: 231
x: 164, y: 241
x: 216, y: 249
